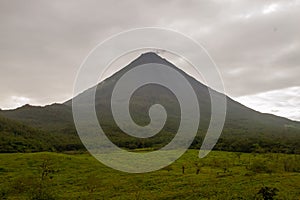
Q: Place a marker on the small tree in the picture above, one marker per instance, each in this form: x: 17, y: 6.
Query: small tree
x: 198, y: 167
x: 40, y: 189
x: 238, y: 155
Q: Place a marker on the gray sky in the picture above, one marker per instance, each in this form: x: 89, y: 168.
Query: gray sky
x: 255, y: 44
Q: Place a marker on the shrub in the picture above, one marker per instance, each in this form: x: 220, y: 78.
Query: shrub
x: 261, y: 166
x: 291, y: 165
x: 268, y: 193
x: 4, y: 192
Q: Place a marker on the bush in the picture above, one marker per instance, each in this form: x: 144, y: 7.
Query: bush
x: 4, y: 192
x: 291, y: 165
x: 261, y: 166
x: 267, y: 193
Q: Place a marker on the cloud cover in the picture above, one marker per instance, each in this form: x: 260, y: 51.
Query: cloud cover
x: 255, y: 44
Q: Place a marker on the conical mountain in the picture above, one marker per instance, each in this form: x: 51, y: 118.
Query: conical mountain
x: 244, y: 128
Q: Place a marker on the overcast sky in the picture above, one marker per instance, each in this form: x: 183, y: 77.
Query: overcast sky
x: 256, y: 45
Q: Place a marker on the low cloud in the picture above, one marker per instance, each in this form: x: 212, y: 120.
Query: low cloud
x: 283, y: 102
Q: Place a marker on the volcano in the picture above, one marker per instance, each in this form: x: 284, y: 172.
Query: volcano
x: 245, y: 129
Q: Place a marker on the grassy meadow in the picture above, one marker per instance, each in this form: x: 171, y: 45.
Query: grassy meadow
x: 220, y: 175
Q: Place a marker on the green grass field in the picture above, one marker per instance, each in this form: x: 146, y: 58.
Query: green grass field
x: 222, y: 175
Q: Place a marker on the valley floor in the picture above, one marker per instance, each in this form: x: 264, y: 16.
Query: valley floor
x: 221, y: 175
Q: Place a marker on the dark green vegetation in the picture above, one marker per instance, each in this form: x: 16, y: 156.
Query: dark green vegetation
x: 221, y: 175
x: 18, y: 137
x: 245, y: 129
